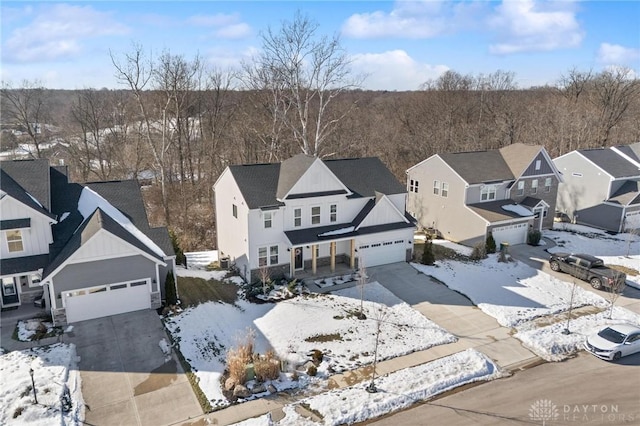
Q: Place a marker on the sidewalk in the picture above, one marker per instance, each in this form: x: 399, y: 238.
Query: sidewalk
x: 445, y: 307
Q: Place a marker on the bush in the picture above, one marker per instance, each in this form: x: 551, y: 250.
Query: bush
x: 238, y: 358
x: 170, y: 290
x: 180, y: 259
x: 479, y: 251
x: 312, y: 370
x: 533, y: 237
x: 317, y: 356
x: 490, y: 245
x: 267, y: 367
x: 427, y: 253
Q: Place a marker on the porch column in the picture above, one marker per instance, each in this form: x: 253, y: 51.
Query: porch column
x: 292, y: 265
x: 333, y: 256
x: 352, y: 258
x: 314, y: 259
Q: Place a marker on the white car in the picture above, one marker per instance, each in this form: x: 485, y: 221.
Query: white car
x: 614, y: 342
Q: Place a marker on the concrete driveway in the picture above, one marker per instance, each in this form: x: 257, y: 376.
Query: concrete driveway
x: 453, y: 312
x: 126, y: 378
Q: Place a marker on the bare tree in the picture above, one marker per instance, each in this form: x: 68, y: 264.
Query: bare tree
x: 380, y: 315
x: 615, y: 289
x: 303, y: 72
x: 27, y: 108
x: 265, y: 278
x: 362, y: 282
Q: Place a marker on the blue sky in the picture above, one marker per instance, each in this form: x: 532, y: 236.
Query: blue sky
x: 399, y: 45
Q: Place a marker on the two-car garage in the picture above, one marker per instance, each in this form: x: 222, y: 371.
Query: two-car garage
x: 101, y: 301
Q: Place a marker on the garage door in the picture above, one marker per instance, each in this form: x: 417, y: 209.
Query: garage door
x: 512, y: 234
x: 102, y: 301
x: 632, y: 221
x: 383, y: 252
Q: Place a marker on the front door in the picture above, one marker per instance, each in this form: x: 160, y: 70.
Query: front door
x: 9, y: 292
x: 298, y: 260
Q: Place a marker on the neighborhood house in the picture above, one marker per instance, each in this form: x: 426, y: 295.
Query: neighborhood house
x: 464, y: 196
x: 307, y: 212
x: 601, y: 187
x: 82, y: 251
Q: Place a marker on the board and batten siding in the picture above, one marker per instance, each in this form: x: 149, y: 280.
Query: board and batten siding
x: 100, y: 272
x: 545, y: 167
x: 35, y: 239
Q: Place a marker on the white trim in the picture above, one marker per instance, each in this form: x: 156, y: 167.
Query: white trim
x: 384, y: 197
x: 49, y: 219
x: 626, y: 157
x: 327, y: 169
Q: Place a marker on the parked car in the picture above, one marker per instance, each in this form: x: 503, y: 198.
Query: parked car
x: 614, y: 342
x: 588, y: 268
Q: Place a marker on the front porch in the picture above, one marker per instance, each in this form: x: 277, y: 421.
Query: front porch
x: 308, y: 278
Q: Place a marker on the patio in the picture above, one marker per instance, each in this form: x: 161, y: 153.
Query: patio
x: 324, y: 272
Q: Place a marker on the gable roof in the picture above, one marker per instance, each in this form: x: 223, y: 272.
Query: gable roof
x: 9, y: 186
x: 632, y: 150
x: 97, y: 221
x: 260, y: 183
x: 479, y: 166
x: 627, y: 194
x: 291, y: 170
x: 32, y: 176
x: 611, y: 162
x: 506, y: 163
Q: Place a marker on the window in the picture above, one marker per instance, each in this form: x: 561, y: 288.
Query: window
x: 34, y: 280
x: 445, y: 189
x: 137, y: 283
x: 117, y: 286
x: 262, y: 256
x: 436, y: 187
x: 521, y: 187
x: 267, y: 219
x: 488, y: 192
x: 97, y: 290
x: 297, y: 217
x: 413, y: 185
x: 334, y: 213
x: 415, y: 188
x: 8, y: 286
x: 273, y: 255
x: 14, y: 240
x: 315, y: 215
x: 574, y: 174
x: 547, y: 185
x: 268, y: 256
x: 538, y: 164
x: 534, y: 186
x: 235, y: 210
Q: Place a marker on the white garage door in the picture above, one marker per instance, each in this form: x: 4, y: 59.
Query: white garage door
x: 632, y: 220
x: 381, y: 253
x: 105, y: 300
x: 512, y: 234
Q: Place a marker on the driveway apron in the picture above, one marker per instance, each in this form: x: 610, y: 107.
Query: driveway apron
x: 126, y: 377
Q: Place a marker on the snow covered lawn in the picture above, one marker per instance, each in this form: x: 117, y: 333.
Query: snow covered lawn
x: 54, y: 367
x: 620, y: 249
x: 294, y: 327
x: 395, y: 391
x: 513, y: 292
x: 27, y: 329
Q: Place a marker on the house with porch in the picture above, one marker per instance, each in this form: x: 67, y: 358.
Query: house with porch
x: 601, y: 187
x: 82, y: 251
x: 305, y: 213
x: 464, y: 196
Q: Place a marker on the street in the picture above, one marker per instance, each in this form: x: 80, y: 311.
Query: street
x: 579, y: 391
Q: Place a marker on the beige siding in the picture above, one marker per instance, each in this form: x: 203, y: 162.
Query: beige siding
x: 585, y: 185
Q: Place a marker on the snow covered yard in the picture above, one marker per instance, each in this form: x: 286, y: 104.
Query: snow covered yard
x: 295, y: 327
x: 620, y: 249
x: 512, y: 292
x: 516, y: 295
x: 54, y: 368
x: 396, y: 391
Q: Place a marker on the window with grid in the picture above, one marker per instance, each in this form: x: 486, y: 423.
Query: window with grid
x: 547, y: 185
x: 534, y: 186
x: 436, y: 187
x: 267, y: 219
x: 444, y: 189
x: 297, y: 217
x: 315, y: 215
x: 521, y: 187
x: 262, y: 256
x: 488, y: 193
x: 273, y: 255
x: 415, y: 186
x: 334, y: 213
x: 14, y: 240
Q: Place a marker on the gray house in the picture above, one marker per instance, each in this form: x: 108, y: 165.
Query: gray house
x: 601, y: 187
x: 466, y: 195
x: 85, y: 250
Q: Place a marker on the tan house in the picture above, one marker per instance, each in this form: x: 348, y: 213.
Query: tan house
x: 466, y: 195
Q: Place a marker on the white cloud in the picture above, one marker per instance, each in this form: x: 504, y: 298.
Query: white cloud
x: 616, y: 54
x: 59, y: 31
x: 227, y: 26
x: 422, y: 19
x: 234, y: 31
x: 526, y: 26
x: 394, y: 70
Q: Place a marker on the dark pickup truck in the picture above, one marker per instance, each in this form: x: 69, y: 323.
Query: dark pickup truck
x: 588, y: 268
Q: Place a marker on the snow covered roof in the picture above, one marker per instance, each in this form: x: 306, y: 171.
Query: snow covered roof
x: 517, y: 209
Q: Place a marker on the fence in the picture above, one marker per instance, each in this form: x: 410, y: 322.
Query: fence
x: 200, y: 259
